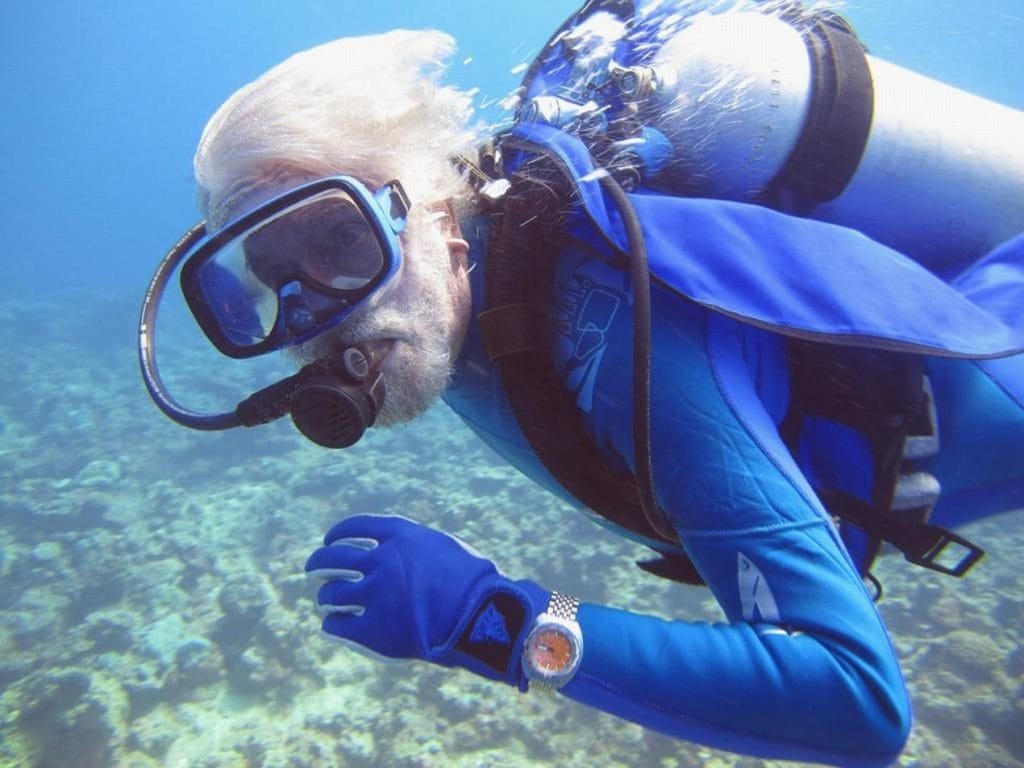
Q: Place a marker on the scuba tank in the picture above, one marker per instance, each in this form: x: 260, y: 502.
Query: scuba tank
x: 788, y: 111
x: 784, y: 111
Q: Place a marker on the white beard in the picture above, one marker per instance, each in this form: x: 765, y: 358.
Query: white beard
x: 425, y: 314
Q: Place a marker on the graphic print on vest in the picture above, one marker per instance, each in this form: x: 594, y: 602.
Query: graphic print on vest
x: 583, y: 316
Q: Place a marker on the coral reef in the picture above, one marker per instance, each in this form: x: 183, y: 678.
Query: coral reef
x: 153, y: 610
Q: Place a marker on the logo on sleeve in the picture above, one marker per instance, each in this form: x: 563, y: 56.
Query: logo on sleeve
x: 756, y: 598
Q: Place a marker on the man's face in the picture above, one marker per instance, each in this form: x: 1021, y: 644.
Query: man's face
x: 426, y: 315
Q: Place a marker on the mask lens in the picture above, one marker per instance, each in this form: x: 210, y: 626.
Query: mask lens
x: 243, y: 308
x: 327, y: 240
x: 291, y: 272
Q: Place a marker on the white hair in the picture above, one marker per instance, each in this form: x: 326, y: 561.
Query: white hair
x: 371, y: 107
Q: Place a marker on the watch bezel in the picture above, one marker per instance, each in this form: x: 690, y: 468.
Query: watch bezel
x: 548, y: 678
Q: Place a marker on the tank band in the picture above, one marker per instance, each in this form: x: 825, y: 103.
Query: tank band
x: 838, y: 122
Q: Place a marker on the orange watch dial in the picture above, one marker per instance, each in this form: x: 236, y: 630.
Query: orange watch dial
x: 552, y: 650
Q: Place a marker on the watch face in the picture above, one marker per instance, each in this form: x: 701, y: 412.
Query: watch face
x: 552, y: 650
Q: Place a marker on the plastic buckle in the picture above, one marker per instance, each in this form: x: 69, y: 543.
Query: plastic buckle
x: 930, y: 558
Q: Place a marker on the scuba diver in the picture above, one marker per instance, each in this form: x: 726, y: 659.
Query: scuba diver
x: 727, y: 283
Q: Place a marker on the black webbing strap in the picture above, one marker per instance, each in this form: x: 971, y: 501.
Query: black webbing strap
x: 520, y: 267
x: 838, y: 121
x: 872, y: 391
x: 508, y: 330
x: 880, y: 394
x: 929, y: 546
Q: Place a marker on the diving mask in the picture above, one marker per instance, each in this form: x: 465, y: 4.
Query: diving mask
x: 278, y: 276
x: 296, y: 265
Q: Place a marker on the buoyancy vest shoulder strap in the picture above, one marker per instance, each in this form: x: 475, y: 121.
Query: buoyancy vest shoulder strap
x: 520, y: 275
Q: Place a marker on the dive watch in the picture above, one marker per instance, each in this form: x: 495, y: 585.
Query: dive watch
x: 554, y: 646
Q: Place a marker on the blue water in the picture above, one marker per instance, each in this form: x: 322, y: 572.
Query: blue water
x: 105, y: 101
x: 134, y: 556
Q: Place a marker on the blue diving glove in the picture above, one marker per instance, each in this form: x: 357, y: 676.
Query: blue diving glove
x: 406, y: 591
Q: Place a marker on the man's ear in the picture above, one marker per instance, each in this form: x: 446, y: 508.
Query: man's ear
x: 448, y: 223
x: 444, y: 215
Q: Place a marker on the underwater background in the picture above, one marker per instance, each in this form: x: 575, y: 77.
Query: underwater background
x: 153, y: 610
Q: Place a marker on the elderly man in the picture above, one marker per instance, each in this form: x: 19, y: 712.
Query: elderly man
x: 607, y: 344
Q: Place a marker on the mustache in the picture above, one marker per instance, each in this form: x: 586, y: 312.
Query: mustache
x: 420, y: 315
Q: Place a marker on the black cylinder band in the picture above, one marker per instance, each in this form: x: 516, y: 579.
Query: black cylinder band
x: 838, y: 121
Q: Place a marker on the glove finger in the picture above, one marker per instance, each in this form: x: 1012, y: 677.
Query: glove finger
x: 353, y: 612
x: 366, y: 634
x: 343, y: 610
x: 343, y: 555
x: 332, y: 574
x: 340, y: 592
x: 376, y: 527
x: 341, y: 624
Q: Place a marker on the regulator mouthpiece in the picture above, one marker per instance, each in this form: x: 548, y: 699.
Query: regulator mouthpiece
x: 335, y: 411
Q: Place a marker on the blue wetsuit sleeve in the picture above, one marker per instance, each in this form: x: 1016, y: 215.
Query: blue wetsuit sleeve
x: 803, y: 667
